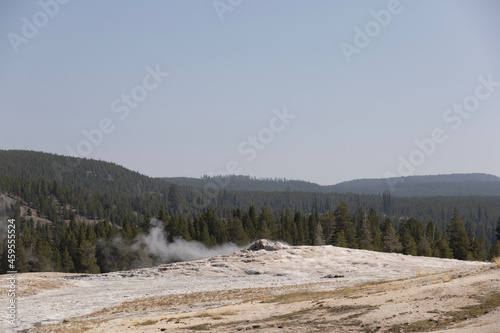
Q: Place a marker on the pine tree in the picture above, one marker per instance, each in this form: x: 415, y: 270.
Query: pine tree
x: 126, y: 231
x: 22, y: 262
x: 470, y: 228
x: 103, y: 230
x: 390, y: 238
x: 459, y: 241
x: 409, y: 244
x: 69, y: 241
x: 285, y: 225
x: 172, y: 228
x: 174, y: 197
x: 265, y: 224
x: 56, y: 259
x: 319, y: 239
x: 217, y: 228
x: 386, y: 202
x: 263, y: 231
x: 495, y: 250
x: 303, y: 227
x: 312, y: 222
x: 237, y: 232
x: 162, y: 216
x: 328, y: 224
x: 146, y: 222
x: 250, y: 222
x: 205, y: 236
x: 414, y: 227
x: 184, y: 231
x: 90, y: 234
x: 271, y: 223
x: 443, y: 248
x: 42, y: 257
x: 424, y: 248
x: 135, y: 230
x: 339, y: 239
x: 87, y: 258
x: 432, y: 232
x: 374, y: 220
x: 476, y: 250
x: 67, y: 263
x: 345, y: 225
x: 237, y: 213
x: 363, y: 231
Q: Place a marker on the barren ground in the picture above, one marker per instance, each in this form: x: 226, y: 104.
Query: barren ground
x: 296, y: 289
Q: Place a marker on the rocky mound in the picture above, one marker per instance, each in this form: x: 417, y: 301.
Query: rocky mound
x: 263, y: 244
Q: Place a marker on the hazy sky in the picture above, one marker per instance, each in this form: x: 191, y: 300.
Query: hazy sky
x: 323, y: 91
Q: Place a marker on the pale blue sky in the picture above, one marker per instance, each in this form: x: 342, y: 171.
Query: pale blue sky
x: 353, y: 120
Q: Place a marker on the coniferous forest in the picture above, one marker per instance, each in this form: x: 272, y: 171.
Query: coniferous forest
x: 87, y: 216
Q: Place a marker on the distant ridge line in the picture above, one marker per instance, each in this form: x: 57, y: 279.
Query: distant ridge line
x: 473, y: 184
x: 52, y: 167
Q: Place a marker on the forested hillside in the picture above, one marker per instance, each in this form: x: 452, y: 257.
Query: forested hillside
x: 100, y: 190
x: 476, y: 184
x: 438, y: 185
x: 83, y: 215
x: 247, y: 183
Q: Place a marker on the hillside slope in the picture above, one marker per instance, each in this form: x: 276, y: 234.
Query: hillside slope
x: 70, y: 171
x: 109, y: 177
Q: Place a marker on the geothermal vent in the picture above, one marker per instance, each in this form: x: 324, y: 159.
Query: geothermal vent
x: 263, y: 244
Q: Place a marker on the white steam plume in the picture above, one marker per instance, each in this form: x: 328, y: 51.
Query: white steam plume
x: 155, y: 243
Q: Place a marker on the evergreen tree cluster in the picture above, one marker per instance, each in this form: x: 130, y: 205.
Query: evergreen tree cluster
x: 58, y: 187
x: 104, y: 247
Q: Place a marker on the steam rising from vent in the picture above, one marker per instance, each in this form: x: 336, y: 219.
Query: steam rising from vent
x: 155, y: 243
x: 151, y: 249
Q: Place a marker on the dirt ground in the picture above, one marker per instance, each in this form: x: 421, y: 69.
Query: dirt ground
x: 299, y: 289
